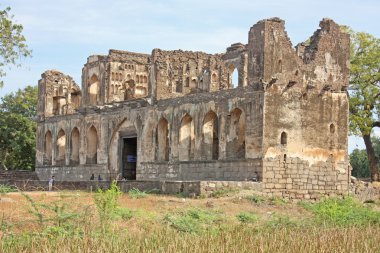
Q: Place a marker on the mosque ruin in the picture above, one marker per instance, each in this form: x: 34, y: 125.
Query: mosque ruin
x: 182, y: 116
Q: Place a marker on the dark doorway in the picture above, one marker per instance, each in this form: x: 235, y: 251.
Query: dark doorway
x: 129, y: 157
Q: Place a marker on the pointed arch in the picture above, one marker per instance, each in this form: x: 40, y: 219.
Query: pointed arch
x: 61, y: 148
x: 162, y: 140
x: 93, y: 89
x: 92, y: 145
x: 48, y: 148
x: 210, y: 131
x: 236, y: 134
x: 74, y: 146
x: 284, y: 138
x: 186, y: 138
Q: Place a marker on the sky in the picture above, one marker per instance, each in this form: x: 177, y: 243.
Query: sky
x: 62, y: 34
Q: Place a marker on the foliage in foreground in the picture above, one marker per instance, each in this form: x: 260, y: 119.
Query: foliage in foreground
x: 7, y: 188
x: 344, y: 212
x: 335, y: 225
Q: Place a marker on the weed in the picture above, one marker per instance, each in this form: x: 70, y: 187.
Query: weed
x: 280, y: 221
x: 137, y: 194
x: 277, y: 201
x: 247, y: 217
x: 7, y: 188
x: 255, y: 199
x: 106, y: 202
x: 344, y: 212
x: 193, y: 220
x: 224, y: 192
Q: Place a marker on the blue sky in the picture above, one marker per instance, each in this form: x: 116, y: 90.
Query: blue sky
x: 62, y: 34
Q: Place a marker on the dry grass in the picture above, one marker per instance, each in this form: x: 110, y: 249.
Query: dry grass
x: 156, y: 222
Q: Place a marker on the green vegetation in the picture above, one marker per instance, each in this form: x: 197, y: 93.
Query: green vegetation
x: 7, y: 188
x: 365, y: 92
x: 137, y: 194
x: 344, y: 212
x: 247, y: 217
x: 12, y: 42
x: 359, y: 159
x: 18, y: 129
x: 194, y: 220
x: 224, y: 192
x: 60, y: 225
x: 255, y: 199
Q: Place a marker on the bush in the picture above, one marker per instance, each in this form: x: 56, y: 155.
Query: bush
x: 137, y: 194
x: 247, y: 217
x: 7, y: 188
x: 193, y: 220
x: 224, y: 192
x: 106, y: 202
x: 343, y: 212
x: 255, y: 199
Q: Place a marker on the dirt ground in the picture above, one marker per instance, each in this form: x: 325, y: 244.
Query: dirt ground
x: 15, y: 207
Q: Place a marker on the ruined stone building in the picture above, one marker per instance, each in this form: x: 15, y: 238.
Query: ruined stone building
x: 180, y: 115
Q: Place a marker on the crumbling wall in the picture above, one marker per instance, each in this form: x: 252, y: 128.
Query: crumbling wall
x: 58, y: 93
x: 285, y: 120
x: 178, y: 73
x: 320, y: 64
x: 305, y: 113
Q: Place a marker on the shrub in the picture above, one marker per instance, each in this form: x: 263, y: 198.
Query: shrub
x: 137, y: 194
x: 7, y: 188
x: 224, y: 192
x: 343, y: 212
x: 247, y: 217
x: 106, y: 202
x: 255, y: 199
x: 193, y: 220
x: 280, y: 221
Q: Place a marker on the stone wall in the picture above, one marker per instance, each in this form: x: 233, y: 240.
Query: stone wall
x: 298, y: 179
x: 227, y: 170
x: 81, y: 172
x: 184, y: 118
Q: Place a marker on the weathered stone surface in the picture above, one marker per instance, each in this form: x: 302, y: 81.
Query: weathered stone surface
x: 178, y: 115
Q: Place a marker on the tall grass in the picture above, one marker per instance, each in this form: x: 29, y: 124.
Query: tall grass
x: 107, y: 227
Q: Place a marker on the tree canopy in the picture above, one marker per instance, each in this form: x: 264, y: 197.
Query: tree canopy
x: 365, y: 92
x: 12, y: 42
x: 18, y: 129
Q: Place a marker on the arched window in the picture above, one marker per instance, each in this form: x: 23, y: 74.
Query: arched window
x: 92, y: 145
x: 61, y: 147
x: 284, y: 138
x: 186, y: 139
x: 193, y: 83
x: 211, y: 136
x: 280, y: 66
x: 48, y: 148
x: 75, y: 144
x: 163, y: 140
x: 93, y: 90
x: 332, y: 128
x: 137, y: 79
x: 236, y: 134
x: 214, y: 78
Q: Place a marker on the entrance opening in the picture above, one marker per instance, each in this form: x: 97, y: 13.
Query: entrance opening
x: 129, y: 158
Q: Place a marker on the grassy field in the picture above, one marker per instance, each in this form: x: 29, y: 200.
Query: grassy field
x: 232, y: 221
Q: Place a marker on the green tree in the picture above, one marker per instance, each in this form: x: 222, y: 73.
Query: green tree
x: 359, y: 163
x: 12, y: 42
x: 365, y: 92
x: 18, y: 129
